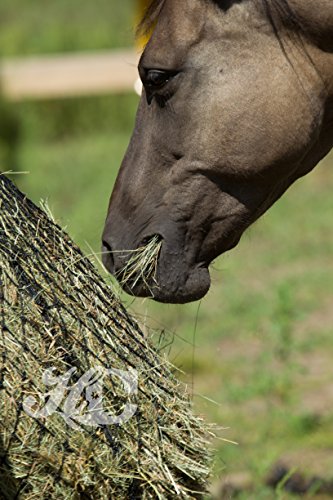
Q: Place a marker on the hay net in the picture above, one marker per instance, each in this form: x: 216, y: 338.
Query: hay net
x: 89, y: 409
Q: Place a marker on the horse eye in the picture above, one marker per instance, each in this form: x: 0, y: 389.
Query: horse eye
x: 156, y: 78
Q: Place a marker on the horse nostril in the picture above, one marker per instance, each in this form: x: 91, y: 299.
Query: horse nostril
x: 107, y: 256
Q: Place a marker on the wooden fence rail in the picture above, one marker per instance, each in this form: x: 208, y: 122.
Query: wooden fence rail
x: 60, y: 76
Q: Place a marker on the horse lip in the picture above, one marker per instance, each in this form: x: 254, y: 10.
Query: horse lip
x: 168, y: 292
x: 195, y: 286
x: 139, y: 290
x: 170, y: 265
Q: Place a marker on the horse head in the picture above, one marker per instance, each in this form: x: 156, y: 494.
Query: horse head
x: 237, y: 104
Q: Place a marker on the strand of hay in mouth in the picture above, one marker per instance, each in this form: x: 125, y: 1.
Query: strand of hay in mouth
x: 62, y: 333
x: 142, y: 264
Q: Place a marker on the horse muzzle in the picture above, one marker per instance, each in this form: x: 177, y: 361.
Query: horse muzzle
x: 170, y: 278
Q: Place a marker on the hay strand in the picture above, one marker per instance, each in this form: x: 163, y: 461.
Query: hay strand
x: 141, y: 264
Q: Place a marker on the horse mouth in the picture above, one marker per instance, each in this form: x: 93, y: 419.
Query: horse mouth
x: 187, y: 285
x: 195, y: 288
x: 153, y: 271
x: 158, y: 269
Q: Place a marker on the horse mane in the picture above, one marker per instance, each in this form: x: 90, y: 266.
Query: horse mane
x: 275, y: 11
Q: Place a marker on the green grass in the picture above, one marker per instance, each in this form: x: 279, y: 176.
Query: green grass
x: 75, y: 178
x: 29, y: 27
x: 52, y: 121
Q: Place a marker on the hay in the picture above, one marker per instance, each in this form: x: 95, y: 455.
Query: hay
x: 57, y: 313
x: 141, y: 265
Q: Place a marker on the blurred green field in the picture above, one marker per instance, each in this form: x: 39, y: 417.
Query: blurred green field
x: 30, y: 27
x: 260, y: 344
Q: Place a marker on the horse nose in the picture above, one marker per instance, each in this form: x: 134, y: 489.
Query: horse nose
x: 107, y: 256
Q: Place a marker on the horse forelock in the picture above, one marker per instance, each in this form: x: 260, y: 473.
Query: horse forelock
x: 150, y: 17
x: 275, y: 10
